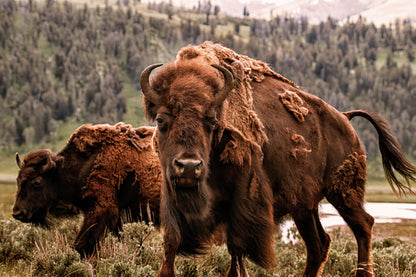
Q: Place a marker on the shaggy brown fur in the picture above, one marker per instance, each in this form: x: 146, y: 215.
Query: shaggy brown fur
x: 269, y: 149
x: 107, y: 172
x: 238, y: 118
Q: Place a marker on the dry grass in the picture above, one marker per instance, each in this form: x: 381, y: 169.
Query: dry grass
x: 26, y: 250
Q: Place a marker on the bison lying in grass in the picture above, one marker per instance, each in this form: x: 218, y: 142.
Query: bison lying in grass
x: 106, y: 172
x: 241, y: 146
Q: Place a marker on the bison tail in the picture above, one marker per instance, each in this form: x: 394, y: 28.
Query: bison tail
x: 393, y: 157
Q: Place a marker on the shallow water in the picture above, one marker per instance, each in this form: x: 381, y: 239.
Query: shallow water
x: 382, y: 213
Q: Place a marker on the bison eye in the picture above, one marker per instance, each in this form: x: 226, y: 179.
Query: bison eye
x: 214, y: 123
x: 37, y: 182
x: 159, y: 121
x: 211, y: 122
x: 163, y: 120
x: 161, y: 124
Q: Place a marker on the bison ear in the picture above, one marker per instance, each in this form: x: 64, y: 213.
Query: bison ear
x: 18, y: 161
x: 144, y: 131
x: 50, y: 164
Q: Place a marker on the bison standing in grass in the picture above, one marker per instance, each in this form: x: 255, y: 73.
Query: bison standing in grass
x: 110, y: 173
x: 241, y: 146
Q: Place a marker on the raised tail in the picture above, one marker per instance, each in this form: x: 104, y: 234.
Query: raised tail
x: 392, y: 155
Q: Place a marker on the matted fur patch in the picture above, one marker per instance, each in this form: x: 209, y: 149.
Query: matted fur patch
x: 294, y: 104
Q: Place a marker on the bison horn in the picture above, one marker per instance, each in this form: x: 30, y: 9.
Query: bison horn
x: 147, y: 90
x: 50, y: 164
x: 228, y: 85
x: 18, y: 161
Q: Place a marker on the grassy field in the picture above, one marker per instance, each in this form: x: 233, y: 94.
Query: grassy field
x: 27, y: 250
x: 7, y: 194
x: 378, y: 190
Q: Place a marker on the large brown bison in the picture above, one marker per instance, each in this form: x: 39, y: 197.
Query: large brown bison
x: 110, y: 173
x: 241, y: 146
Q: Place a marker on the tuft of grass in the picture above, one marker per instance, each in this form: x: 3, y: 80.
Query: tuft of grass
x: 57, y: 258
x: 405, y: 230
x: 16, y: 241
x: 136, y: 252
x: 394, y: 254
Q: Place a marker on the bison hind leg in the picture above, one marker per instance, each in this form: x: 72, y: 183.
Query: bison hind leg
x: 347, y: 196
x: 361, y: 223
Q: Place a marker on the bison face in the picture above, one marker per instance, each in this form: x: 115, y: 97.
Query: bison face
x: 185, y: 100
x: 35, y: 192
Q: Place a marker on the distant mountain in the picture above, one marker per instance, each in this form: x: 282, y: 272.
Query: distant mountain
x: 387, y: 11
x: 377, y: 11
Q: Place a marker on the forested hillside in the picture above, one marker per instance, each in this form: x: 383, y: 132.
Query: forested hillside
x: 64, y: 65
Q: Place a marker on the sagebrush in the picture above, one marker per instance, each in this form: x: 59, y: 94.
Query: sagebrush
x: 137, y: 251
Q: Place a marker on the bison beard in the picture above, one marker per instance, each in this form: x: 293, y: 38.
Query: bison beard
x: 193, y: 202
x: 273, y: 150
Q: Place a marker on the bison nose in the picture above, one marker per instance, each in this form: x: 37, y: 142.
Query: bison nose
x: 187, y: 167
x: 19, y: 214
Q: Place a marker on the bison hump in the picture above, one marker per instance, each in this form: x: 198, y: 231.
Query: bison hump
x: 90, y: 137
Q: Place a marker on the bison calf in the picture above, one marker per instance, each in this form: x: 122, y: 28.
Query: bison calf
x: 104, y: 171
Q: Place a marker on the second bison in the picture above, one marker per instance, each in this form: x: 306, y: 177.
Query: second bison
x: 105, y: 171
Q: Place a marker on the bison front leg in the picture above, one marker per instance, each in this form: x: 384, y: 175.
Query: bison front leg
x: 97, y: 222
x: 171, y: 244
x: 317, y: 241
x: 238, y: 268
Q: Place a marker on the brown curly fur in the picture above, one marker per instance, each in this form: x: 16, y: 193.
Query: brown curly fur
x: 122, y: 149
x: 239, y: 117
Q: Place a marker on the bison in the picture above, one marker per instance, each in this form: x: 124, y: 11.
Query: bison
x: 241, y: 146
x: 109, y: 173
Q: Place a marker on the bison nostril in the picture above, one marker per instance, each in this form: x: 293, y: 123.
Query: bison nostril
x: 179, y: 163
x: 18, y: 214
x: 189, y: 167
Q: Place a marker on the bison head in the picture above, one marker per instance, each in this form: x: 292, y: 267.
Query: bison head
x: 35, y: 191
x: 185, y: 100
